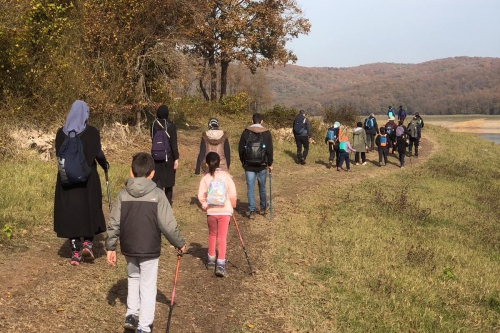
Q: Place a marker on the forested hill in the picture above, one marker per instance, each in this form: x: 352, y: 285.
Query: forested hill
x: 460, y: 85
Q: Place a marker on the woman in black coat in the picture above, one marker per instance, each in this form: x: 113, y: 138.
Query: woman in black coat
x: 165, y: 170
x: 78, y: 208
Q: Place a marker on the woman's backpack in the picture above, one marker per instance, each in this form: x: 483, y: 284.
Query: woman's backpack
x: 71, y: 162
x: 160, y: 146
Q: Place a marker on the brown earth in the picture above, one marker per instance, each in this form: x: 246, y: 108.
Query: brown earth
x: 41, y: 292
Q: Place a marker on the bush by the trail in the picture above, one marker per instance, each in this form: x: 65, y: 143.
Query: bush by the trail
x: 345, y: 114
x: 280, y: 116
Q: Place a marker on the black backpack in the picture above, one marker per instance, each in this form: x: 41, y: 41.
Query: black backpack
x: 255, y: 150
x: 299, y: 125
x: 71, y: 162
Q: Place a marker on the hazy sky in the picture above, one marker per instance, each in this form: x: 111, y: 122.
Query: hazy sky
x: 347, y: 33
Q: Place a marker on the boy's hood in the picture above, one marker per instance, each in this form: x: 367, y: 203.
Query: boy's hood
x: 139, y: 187
x: 358, y: 129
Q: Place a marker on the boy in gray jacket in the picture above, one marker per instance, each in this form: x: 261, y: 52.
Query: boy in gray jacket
x: 141, y: 213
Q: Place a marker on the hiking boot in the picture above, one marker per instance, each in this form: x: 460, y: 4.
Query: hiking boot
x: 263, y: 211
x: 330, y: 163
x: 210, y: 262
x: 76, y: 258
x: 87, y: 252
x: 302, y: 161
x: 220, y: 270
x: 131, y: 322
x: 251, y: 215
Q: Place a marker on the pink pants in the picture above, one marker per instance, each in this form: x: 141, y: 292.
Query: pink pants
x: 217, y: 231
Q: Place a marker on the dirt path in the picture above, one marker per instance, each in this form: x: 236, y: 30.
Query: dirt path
x: 41, y: 292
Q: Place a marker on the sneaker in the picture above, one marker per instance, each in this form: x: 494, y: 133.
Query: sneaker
x: 220, y: 270
x: 251, y: 215
x: 348, y: 170
x: 330, y: 163
x: 76, y: 258
x: 379, y: 164
x: 356, y: 163
x: 339, y: 169
x: 131, y: 322
x: 302, y: 161
x: 210, y: 262
x: 263, y: 211
x: 402, y: 167
x: 364, y: 163
x: 87, y: 253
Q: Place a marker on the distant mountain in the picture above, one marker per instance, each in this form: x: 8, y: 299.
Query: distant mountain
x: 460, y: 85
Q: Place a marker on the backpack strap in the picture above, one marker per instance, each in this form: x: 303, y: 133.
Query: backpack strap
x: 162, y: 127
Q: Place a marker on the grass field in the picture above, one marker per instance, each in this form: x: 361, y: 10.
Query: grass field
x: 374, y: 250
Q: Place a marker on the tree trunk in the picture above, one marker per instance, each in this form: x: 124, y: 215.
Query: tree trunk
x: 224, y: 65
x: 204, y: 91
x: 213, y: 75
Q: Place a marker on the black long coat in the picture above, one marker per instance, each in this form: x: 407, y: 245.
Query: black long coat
x: 164, y: 171
x: 78, y: 208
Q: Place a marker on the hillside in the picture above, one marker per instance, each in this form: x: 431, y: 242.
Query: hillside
x: 460, y: 85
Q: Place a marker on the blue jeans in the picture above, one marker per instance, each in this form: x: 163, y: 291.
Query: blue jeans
x: 261, y: 180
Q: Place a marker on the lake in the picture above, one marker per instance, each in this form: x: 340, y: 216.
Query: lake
x: 490, y: 137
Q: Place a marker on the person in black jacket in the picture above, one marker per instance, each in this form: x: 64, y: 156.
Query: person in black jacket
x: 302, y: 132
x: 140, y: 215
x: 256, y: 155
x: 165, y: 170
x: 78, y: 208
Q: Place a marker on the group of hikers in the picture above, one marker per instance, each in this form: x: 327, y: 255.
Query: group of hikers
x: 142, y: 210
x: 366, y: 135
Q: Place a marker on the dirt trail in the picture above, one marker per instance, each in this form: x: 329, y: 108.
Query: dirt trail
x: 41, y: 292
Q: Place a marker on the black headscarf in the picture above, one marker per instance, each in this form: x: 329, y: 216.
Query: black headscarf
x: 162, y: 112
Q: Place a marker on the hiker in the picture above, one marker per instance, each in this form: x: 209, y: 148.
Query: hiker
x: 332, y: 139
x: 371, y: 128
x: 344, y: 148
x: 359, y: 144
x: 414, y: 133
x: 421, y: 123
x: 390, y: 130
x: 78, y: 208
x: 164, y: 175
x: 401, y: 145
x: 401, y: 114
x: 303, y: 134
x: 256, y: 155
x: 390, y: 112
x: 217, y: 196
x: 213, y: 140
x: 383, y: 143
x: 140, y: 214
x: 401, y: 129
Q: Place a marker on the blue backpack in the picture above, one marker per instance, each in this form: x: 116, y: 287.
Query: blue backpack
x: 388, y: 129
x: 331, y: 134
x: 160, y: 147
x: 369, y: 123
x: 383, y: 140
x: 71, y: 162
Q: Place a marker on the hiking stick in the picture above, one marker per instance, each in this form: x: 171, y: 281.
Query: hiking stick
x: 270, y: 196
x: 171, y: 305
x: 243, y: 245
x: 107, y: 189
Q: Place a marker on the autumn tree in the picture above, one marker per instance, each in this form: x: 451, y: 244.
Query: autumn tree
x: 252, y: 32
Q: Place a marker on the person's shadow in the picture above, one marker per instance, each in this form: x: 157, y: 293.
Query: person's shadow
x: 292, y: 154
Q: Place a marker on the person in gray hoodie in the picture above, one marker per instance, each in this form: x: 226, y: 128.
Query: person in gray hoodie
x: 359, y: 143
x: 140, y: 214
x: 256, y: 155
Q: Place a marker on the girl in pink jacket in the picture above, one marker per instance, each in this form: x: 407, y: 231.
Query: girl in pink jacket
x: 217, y: 195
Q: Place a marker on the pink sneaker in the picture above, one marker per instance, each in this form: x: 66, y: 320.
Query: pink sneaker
x: 87, y: 251
x: 75, y: 258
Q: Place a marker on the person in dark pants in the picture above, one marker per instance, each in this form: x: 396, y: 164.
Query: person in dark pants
x: 414, y: 133
x: 302, y: 133
x: 371, y: 129
x: 164, y: 176
x: 78, y: 208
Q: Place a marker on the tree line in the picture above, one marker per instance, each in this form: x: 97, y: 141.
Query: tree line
x: 123, y: 54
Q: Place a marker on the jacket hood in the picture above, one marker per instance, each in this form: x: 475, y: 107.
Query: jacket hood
x: 358, y: 130
x: 139, y: 187
x: 257, y: 128
x: 214, y: 134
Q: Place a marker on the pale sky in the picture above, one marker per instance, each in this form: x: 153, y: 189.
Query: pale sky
x: 348, y: 33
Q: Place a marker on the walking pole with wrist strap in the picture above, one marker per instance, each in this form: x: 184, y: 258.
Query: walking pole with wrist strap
x: 243, y: 245
x: 171, y: 305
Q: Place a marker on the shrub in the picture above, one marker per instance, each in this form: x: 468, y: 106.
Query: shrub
x: 279, y: 116
x: 345, y: 114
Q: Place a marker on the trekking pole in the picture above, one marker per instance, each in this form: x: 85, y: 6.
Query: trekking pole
x: 171, y: 305
x: 270, y: 196
x: 243, y: 245
x: 107, y: 189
